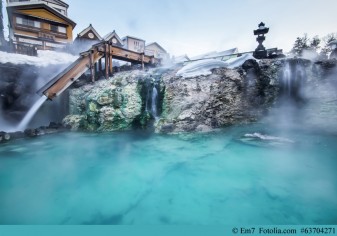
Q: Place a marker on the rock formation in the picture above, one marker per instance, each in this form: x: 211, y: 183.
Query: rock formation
x: 202, y: 103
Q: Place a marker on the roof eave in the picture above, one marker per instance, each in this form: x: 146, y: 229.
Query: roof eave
x: 32, y: 6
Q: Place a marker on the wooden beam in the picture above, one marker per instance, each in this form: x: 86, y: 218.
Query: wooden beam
x: 100, y: 65
x: 66, y: 78
x: 63, y: 80
x: 92, y: 71
x: 106, y: 62
x: 143, y: 61
x: 110, y: 61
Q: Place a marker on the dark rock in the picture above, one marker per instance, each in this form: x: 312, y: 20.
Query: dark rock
x: 4, y: 137
x: 54, y: 125
x: 167, y: 128
x: 251, y: 64
x: 18, y: 135
x: 30, y: 132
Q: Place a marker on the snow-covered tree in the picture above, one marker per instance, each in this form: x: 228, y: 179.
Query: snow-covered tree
x: 314, y: 43
x: 326, y: 50
x: 301, y: 43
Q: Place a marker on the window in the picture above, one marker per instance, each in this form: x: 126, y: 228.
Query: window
x: 28, y: 22
x: 62, y: 29
x: 58, y: 29
x: 54, y: 28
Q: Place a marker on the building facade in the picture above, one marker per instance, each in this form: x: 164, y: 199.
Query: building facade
x: 43, y: 24
x: 134, y: 44
x: 154, y: 49
x: 85, y: 39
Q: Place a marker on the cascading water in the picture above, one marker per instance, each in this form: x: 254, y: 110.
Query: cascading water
x: 28, y: 117
x: 154, y: 102
x: 152, y: 97
x: 287, y: 78
x: 293, y: 76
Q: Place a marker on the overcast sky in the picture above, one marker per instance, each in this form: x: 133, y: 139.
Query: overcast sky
x: 198, y: 26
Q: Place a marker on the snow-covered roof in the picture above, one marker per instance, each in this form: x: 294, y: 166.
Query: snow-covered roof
x: 86, y: 30
x: 155, y: 43
x: 27, y: 2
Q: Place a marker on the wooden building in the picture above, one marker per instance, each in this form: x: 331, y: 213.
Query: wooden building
x: 42, y: 24
x: 154, y: 49
x: 134, y: 44
x: 114, y: 39
x: 85, y: 39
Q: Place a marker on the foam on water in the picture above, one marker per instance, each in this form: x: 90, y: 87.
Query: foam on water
x: 133, y: 178
x: 268, y: 137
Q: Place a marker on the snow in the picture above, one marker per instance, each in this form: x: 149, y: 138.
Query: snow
x: 181, y: 59
x: 202, y: 67
x: 215, y: 54
x: 43, y: 59
x: 238, y: 61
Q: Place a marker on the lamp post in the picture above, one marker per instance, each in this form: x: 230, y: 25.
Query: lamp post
x: 261, y: 52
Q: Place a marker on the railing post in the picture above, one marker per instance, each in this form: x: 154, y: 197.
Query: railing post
x: 106, y: 62
x: 92, y: 71
x: 110, y: 62
x: 142, y: 61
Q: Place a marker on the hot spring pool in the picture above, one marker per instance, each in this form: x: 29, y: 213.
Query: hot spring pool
x: 204, y: 179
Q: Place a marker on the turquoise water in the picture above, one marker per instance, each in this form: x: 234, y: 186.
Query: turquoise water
x: 148, y: 179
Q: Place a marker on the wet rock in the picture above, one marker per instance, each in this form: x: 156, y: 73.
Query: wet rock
x: 202, y: 103
x: 76, y: 122
x: 54, y: 125
x: 113, y: 104
x: 31, y: 132
x: 18, y: 135
x: 4, y: 137
x: 251, y: 64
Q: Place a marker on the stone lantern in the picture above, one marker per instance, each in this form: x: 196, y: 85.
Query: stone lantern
x: 261, y: 52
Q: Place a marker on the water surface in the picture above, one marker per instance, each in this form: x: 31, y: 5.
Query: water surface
x: 191, y: 179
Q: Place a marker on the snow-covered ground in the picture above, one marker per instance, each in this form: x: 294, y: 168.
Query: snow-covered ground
x: 43, y: 59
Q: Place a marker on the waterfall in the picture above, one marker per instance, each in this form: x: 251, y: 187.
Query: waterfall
x: 28, y: 117
x: 287, y: 78
x: 294, y: 74
x: 154, y: 102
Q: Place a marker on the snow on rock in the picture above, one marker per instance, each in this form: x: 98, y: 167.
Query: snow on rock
x: 238, y: 61
x: 202, y: 67
x: 44, y: 58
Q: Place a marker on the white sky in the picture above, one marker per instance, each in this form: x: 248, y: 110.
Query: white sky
x: 198, y: 26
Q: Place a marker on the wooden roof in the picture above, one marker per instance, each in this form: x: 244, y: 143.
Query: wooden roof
x: 111, y: 35
x: 11, y: 9
x: 92, y: 29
